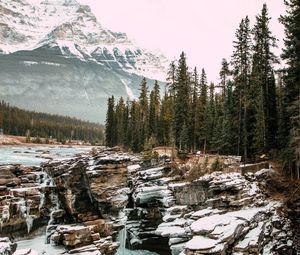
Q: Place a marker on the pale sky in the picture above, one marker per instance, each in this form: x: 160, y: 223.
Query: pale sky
x: 204, y: 29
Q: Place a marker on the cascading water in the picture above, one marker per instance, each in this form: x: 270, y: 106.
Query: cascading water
x: 30, y: 196
x: 122, y: 241
x: 124, y: 251
x: 122, y: 238
x: 41, y: 243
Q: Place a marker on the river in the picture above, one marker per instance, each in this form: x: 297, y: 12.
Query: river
x: 34, y: 156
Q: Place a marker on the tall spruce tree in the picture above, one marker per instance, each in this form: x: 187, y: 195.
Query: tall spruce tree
x: 171, y: 79
x: 110, y: 127
x: 136, y: 127
x: 181, y: 103
x: 194, y: 120
x: 202, y: 111
x: 263, y: 85
x: 120, y: 122
x: 144, y: 111
x: 241, y: 61
x: 282, y: 116
x: 229, y: 126
x: 154, y: 110
x: 210, y: 118
x: 291, y: 53
x: 165, y: 134
x: 224, y: 74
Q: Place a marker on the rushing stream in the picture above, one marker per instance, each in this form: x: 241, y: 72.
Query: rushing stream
x: 122, y: 249
x: 38, y: 244
x: 34, y: 156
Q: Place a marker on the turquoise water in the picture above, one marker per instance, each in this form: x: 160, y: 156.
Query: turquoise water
x: 31, y: 156
x: 123, y: 251
x: 38, y: 244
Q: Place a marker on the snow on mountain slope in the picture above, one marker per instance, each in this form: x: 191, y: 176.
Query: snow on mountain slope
x: 73, y: 28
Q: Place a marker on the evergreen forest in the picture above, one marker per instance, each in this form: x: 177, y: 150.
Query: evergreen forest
x: 253, y: 111
x: 19, y: 122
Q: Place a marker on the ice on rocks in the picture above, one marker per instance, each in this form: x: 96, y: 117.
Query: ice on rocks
x: 6, y: 246
x: 205, y: 212
x: 133, y: 168
x: 25, y: 252
x: 147, y: 194
x: 201, y: 243
x: 251, y: 240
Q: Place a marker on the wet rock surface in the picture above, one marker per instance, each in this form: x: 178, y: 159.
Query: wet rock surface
x: 92, y: 191
x: 87, y: 200
x: 6, y: 246
x: 219, y: 213
x: 26, y: 198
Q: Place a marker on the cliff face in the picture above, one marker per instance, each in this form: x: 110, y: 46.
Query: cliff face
x: 73, y: 190
x: 27, y: 195
x: 88, y: 199
x: 92, y: 191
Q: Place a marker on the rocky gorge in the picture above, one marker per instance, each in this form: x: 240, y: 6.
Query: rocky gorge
x: 108, y: 201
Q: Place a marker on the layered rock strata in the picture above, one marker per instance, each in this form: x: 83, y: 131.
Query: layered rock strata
x: 90, y: 198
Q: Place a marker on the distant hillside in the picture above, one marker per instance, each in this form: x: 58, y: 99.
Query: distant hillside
x: 16, y: 121
x: 56, y: 57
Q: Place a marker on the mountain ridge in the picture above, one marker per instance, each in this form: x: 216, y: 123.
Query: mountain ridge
x: 75, y: 30
x: 57, y: 58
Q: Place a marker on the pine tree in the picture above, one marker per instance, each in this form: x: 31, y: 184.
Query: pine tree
x: 282, y: 116
x: 154, y: 110
x: 126, y: 124
x: 184, y: 138
x: 202, y: 111
x: 224, y: 74
x: 181, y: 103
x: 194, y: 120
x: 171, y: 79
x: 263, y: 84
x: 135, y: 127
x: 210, y: 118
x: 291, y: 54
x: 165, y: 133
x: 110, y: 127
x: 203, y: 88
x: 120, y: 121
x: 144, y: 112
x: 229, y: 126
x: 241, y: 71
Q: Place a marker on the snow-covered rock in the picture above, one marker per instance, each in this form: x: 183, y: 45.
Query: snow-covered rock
x: 6, y: 246
x: 231, y: 218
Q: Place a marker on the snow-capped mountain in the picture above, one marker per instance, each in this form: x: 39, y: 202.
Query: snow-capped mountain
x: 55, y: 52
x: 75, y: 30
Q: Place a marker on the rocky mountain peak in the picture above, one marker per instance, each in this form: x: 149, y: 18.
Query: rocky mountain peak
x: 70, y: 26
x: 56, y: 57
x: 60, y: 2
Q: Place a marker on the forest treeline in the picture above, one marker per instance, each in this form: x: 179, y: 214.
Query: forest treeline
x: 252, y: 111
x: 16, y: 121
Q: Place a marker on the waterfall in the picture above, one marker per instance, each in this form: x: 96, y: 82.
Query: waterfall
x: 5, y: 215
x: 122, y: 234
x: 122, y: 240
x: 42, y: 201
x: 56, y: 206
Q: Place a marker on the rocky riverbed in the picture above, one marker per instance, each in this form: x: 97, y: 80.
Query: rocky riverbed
x: 109, y: 202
